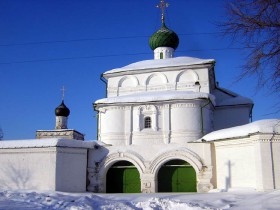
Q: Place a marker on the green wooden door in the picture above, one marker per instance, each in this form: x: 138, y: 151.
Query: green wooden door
x: 176, y: 176
x: 123, y: 177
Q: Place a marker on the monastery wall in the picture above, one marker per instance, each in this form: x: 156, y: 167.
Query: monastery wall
x: 251, y: 162
x: 39, y: 165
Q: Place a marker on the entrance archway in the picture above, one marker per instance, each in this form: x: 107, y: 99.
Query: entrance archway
x: 123, y: 177
x: 177, y: 176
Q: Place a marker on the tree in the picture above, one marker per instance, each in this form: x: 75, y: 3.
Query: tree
x: 256, y: 23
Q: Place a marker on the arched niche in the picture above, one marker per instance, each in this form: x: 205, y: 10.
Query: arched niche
x: 187, y: 76
x: 156, y: 79
x: 128, y: 81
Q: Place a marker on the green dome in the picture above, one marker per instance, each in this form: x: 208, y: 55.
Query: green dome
x: 164, y: 37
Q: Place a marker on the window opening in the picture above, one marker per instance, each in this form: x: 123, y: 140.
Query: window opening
x: 161, y: 55
x: 147, y: 122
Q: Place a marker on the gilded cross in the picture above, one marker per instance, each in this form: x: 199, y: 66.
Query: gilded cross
x: 162, y: 5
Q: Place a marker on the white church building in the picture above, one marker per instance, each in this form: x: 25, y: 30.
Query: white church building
x: 164, y: 126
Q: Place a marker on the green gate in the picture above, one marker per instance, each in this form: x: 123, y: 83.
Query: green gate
x: 123, y: 177
x: 177, y: 176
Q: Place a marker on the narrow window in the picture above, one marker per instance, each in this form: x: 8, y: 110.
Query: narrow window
x: 161, y: 55
x: 147, y: 122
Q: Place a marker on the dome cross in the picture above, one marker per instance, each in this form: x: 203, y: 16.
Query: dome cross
x: 63, y: 92
x: 162, y: 5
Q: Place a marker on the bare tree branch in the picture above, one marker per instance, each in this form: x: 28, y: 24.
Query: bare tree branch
x: 256, y: 24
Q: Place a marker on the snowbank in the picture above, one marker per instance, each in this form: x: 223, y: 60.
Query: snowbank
x: 170, y: 62
x: 179, y: 201
x: 156, y: 96
x: 52, y: 142
x: 261, y: 126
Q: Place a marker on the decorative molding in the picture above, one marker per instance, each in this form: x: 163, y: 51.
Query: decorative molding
x: 184, y: 105
x: 69, y: 134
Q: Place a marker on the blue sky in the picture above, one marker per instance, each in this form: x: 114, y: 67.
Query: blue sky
x: 47, y: 44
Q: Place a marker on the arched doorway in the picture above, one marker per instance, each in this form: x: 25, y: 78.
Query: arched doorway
x: 177, y: 176
x: 123, y: 177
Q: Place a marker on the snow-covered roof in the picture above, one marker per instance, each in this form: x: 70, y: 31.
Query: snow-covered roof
x: 235, y: 101
x: 52, y: 142
x: 261, y: 126
x: 155, y: 96
x: 226, y: 97
x: 169, y: 62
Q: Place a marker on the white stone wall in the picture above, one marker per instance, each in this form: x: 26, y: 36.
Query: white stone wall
x: 268, y: 170
x: 50, y: 168
x: 236, y: 165
x: 28, y: 168
x: 250, y: 162
x: 71, y: 173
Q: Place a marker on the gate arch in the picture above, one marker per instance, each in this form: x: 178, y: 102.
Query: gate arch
x: 176, y: 176
x: 123, y: 177
x: 115, y: 157
x: 179, y: 154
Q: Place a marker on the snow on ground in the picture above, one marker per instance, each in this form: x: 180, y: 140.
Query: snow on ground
x: 188, y: 201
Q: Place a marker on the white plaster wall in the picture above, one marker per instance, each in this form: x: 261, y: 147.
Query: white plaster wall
x: 268, y: 162
x: 186, y: 121
x: 28, y: 168
x: 236, y: 164
x: 51, y: 168
x: 208, y: 119
x: 71, y: 169
x: 113, y: 119
x: 230, y: 116
x: 112, y: 125
x: 276, y: 161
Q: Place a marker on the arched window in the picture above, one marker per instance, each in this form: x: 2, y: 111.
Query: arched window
x: 147, y: 122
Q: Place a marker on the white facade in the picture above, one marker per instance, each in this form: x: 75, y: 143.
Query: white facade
x: 181, y: 99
